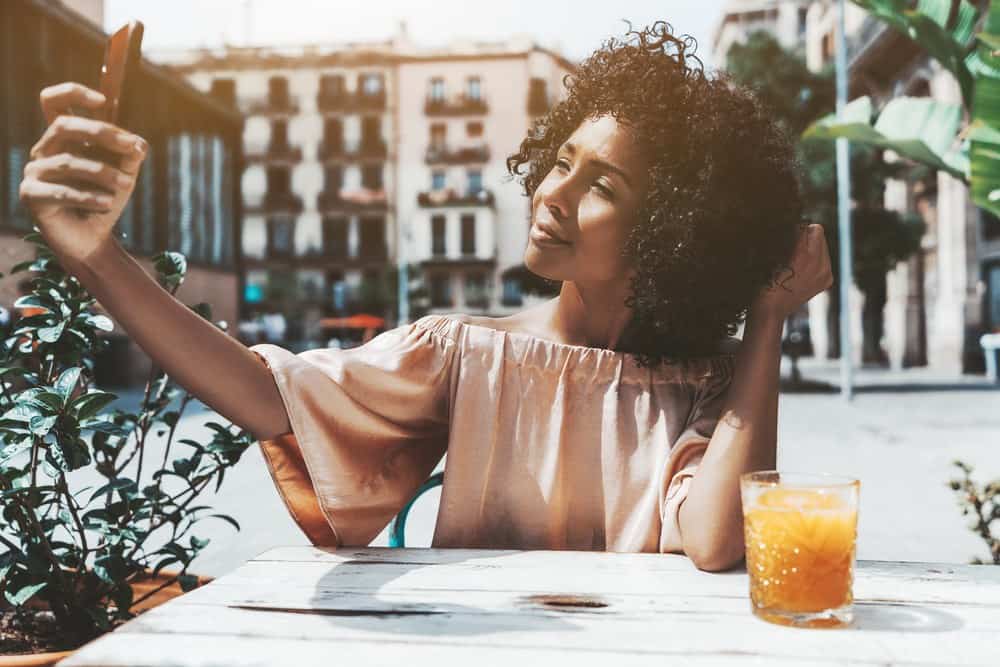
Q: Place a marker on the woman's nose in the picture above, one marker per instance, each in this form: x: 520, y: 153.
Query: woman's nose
x: 555, y: 199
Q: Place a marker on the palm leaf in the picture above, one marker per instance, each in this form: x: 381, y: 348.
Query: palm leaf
x: 985, y: 133
x: 917, y: 128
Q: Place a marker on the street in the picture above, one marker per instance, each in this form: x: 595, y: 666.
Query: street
x: 899, y: 437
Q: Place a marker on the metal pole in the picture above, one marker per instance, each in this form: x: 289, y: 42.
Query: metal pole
x: 844, y: 215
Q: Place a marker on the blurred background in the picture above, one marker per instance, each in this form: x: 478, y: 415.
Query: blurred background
x: 333, y: 169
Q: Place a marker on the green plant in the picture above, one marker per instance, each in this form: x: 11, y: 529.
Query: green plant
x: 983, y: 503
x: 78, y: 550
x: 928, y: 131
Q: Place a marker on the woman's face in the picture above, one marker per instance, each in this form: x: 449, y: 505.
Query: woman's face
x: 584, y: 209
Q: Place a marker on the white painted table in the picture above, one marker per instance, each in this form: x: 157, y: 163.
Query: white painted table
x: 411, y: 607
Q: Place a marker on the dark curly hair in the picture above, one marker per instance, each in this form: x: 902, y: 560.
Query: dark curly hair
x: 723, y: 211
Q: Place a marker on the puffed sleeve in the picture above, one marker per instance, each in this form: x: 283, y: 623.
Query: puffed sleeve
x: 689, y: 448
x: 368, y: 424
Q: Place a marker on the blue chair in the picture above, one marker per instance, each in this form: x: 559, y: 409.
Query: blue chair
x: 397, y: 530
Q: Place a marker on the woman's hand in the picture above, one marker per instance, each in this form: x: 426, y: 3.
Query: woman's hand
x: 809, y: 274
x: 74, y: 196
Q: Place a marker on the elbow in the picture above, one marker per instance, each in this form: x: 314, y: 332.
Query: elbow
x: 715, y: 558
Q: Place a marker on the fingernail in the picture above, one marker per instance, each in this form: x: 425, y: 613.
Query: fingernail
x: 103, y: 200
x: 125, y: 140
x: 141, y: 146
x: 94, y: 96
x: 124, y: 180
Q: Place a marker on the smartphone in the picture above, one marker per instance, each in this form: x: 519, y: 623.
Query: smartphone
x: 121, y: 57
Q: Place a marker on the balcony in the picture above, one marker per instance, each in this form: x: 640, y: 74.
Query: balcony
x: 373, y: 149
x: 464, y: 155
x: 345, y: 102
x: 283, y: 153
x: 449, y: 197
x: 459, y: 106
x: 361, y: 201
x: 271, y: 106
x: 276, y: 202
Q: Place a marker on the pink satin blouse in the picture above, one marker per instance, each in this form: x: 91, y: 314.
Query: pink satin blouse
x: 550, y: 446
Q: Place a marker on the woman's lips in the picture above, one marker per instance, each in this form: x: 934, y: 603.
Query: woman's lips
x: 541, y: 235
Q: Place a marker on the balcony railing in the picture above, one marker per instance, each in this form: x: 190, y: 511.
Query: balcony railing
x: 366, y: 149
x: 344, y: 101
x: 272, y: 106
x: 276, y: 202
x: 462, y: 105
x: 464, y: 155
x: 274, y: 153
x: 358, y: 200
x: 452, y: 198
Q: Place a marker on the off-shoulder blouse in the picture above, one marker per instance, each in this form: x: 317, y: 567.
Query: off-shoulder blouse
x: 550, y: 446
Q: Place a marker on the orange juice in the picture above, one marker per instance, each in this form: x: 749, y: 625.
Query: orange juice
x: 800, y: 547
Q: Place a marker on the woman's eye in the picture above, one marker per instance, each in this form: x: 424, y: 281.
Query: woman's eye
x: 604, y: 190
x: 563, y: 164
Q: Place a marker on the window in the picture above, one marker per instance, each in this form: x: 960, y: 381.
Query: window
x: 437, y: 180
x: 372, y: 238
x: 439, y: 135
x: 335, y: 237
x: 331, y: 85
x: 281, y: 236
x: 538, y: 96
x: 277, y: 91
x: 278, y: 180
x: 371, y: 176
x: 224, y: 90
x: 371, y: 84
x: 468, y: 234
x: 475, y: 181
x: 437, y: 89
x: 333, y: 178
x: 476, y: 295
x: 474, y: 129
x: 992, y: 280
x: 472, y: 88
x: 437, y: 235
x: 333, y: 135
x: 279, y: 134
x: 512, y: 292
x: 371, y: 132
x: 440, y: 291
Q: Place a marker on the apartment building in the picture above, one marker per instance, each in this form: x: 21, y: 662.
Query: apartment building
x: 364, y: 159
x: 462, y: 111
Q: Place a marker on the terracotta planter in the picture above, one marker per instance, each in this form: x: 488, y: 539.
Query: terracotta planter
x: 139, y: 588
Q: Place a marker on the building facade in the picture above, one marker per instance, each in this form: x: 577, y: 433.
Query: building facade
x: 187, y: 197
x: 462, y: 111
x: 941, y: 300
x: 365, y: 157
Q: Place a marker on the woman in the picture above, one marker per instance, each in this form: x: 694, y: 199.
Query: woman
x: 617, y: 416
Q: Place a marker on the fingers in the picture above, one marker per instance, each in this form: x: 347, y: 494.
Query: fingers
x: 69, y: 169
x: 34, y: 192
x: 67, y: 133
x: 59, y: 99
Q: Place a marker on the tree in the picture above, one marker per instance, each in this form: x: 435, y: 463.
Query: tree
x: 797, y: 97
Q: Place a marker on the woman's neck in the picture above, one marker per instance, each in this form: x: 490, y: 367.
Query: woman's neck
x: 591, y: 315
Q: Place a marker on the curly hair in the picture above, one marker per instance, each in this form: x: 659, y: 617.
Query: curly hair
x: 723, y: 210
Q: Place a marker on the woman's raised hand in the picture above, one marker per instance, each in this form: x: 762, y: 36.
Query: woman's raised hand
x: 75, y: 196
x: 809, y: 274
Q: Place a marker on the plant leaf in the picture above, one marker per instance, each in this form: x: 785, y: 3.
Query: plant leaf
x: 67, y: 380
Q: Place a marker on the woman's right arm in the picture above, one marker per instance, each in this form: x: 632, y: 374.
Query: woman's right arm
x: 59, y: 182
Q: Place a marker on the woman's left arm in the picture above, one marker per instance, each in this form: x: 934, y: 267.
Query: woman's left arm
x: 745, y: 439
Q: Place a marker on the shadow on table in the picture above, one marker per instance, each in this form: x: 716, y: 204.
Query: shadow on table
x: 431, y: 616
x: 903, y: 617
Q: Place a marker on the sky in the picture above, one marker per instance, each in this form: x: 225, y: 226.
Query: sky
x: 575, y: 28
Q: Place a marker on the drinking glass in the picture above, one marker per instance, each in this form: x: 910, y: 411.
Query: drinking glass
x: 801, y: 534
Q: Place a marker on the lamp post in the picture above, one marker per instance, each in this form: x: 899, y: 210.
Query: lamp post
x: 844, y: 214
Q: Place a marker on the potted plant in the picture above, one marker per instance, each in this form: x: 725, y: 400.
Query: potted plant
x: 77, y: 562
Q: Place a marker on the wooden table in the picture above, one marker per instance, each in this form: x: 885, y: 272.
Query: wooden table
x: 410, y: 607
